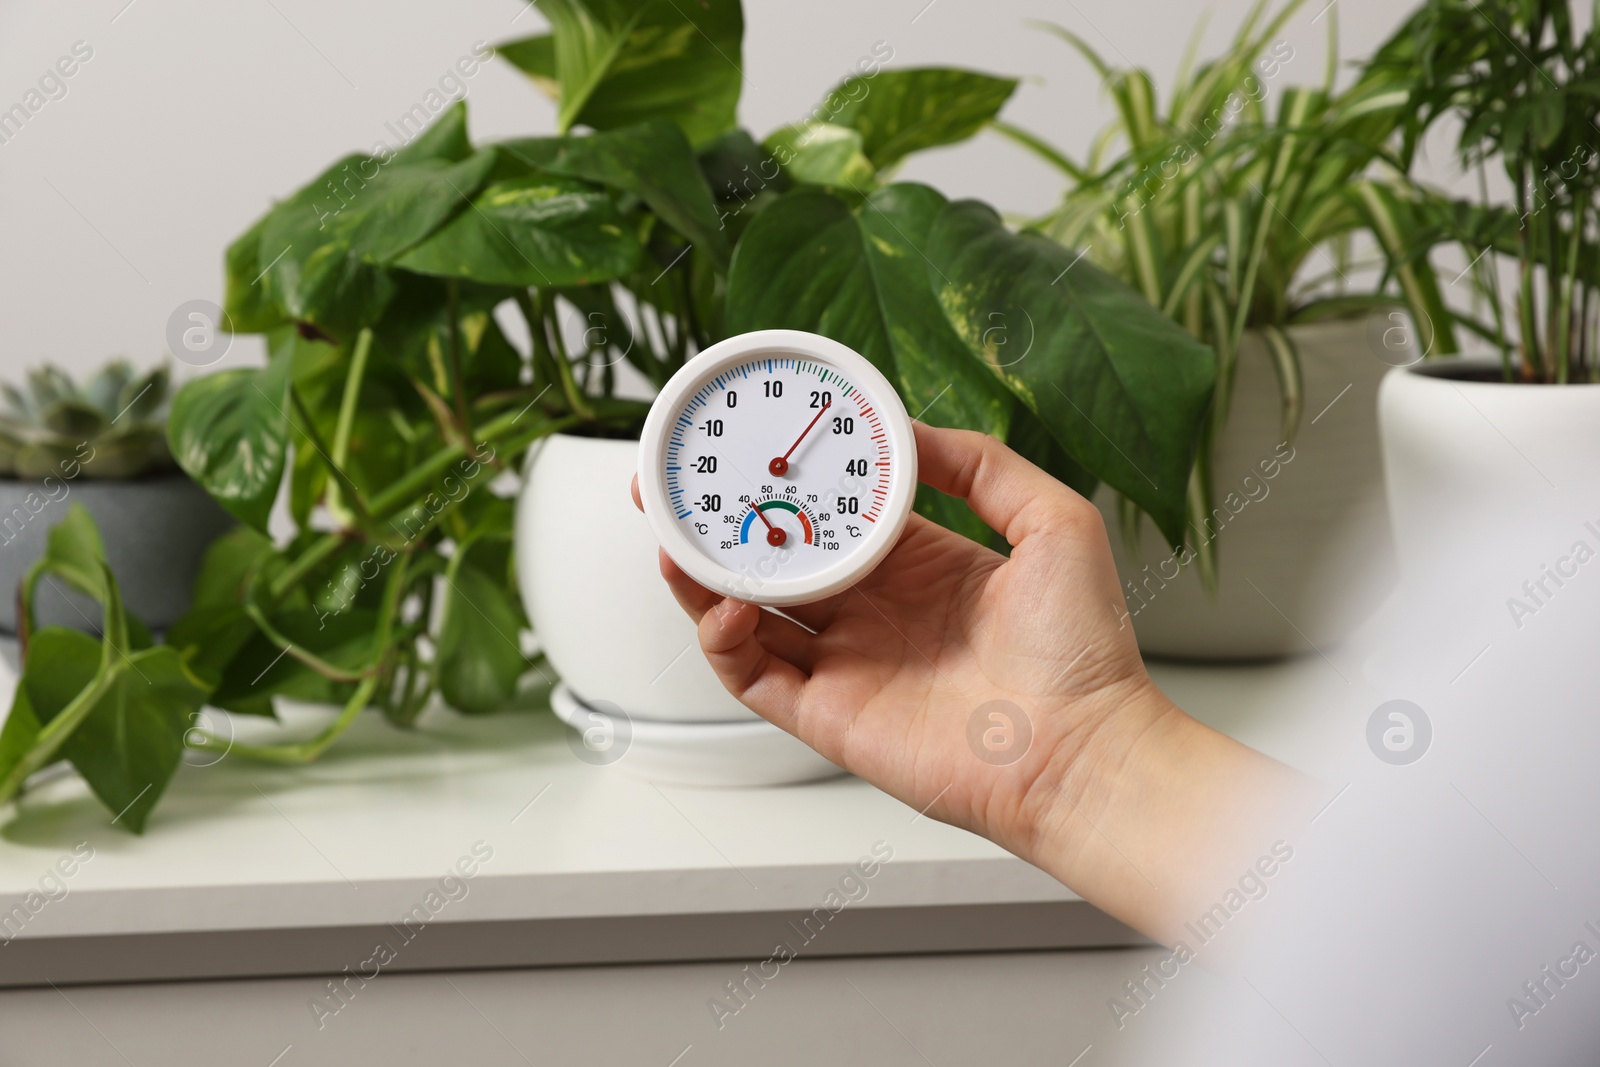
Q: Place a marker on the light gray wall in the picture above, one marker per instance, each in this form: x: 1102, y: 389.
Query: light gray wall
x: 117, y: 199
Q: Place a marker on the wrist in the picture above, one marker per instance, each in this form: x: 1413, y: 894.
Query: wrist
x: 1154, y: 809
x: 1112, y: 729
x: 1104, y: 822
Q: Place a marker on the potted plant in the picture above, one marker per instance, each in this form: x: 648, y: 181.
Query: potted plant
x: 1238, y: 211
x: 101, y: 444
x: 1507, y: 436
x: 434, y: 309
x: 824, y: 242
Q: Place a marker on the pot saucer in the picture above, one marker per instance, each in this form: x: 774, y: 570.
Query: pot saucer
x: 707, y: 754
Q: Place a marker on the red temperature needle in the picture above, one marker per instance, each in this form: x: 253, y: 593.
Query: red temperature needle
x: 775, y: 536
x: 780, y: 466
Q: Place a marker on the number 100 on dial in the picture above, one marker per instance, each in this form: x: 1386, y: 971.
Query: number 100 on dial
x: 778, y: 467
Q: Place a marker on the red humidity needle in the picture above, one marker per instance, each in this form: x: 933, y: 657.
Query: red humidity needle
x: 775, y: 536
x: 780, y: 466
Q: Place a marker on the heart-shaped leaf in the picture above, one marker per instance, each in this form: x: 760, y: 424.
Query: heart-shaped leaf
x: 898, y: 112
x: 652, y: 160
x: 531, y: 230
x: 117, y: 708
x: 131, y: 739
x: 338, y: 232
x: 230, y: 431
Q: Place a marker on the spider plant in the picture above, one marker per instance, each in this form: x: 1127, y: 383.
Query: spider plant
x: 1242, y: 204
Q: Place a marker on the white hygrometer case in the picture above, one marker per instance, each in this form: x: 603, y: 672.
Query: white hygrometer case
x: 778, y: 467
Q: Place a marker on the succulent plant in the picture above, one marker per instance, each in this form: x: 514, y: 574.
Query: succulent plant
x: 112, y: 426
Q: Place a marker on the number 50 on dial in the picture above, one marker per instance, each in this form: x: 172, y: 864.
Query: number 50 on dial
x: 778, y: 467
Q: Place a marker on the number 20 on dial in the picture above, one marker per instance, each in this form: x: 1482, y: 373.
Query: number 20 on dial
x: 778, y: 467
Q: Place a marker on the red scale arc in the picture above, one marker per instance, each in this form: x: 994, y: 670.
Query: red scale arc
x: 872, y: 514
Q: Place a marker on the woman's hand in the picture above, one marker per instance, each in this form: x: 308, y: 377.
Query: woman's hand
x: 1002, y: 694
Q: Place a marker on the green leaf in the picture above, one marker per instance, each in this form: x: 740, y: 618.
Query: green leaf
x: 340, y: 230
x: 444, y: 141
x: 20, y: 733
x: 535, y: 57
x: 75, y: 553
x: 1122, y: 388
x: 262, y: 669
x: 229, y: 564
x: 141, y: 398
x: 207, y: 640
x: 251, y: 301
x: 1032, y: 440
x: 129, y: 743
x: 117, y: 713
x: 49, y: 384
x: 652, y: 160
x: 535, y: 230
x: 103, y: 389
x: 229, y: 432
x: 820, y: 153
x: 73, y: 417
x: 132, y: 740
x: 898, y: 112
x: 60, y: 663
x: 809, y: 262
x: 623, y: 61
x: 1285, y: 358
x: 480, y: 658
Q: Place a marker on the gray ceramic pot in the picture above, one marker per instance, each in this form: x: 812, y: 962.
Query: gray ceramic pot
x: 155, y: 530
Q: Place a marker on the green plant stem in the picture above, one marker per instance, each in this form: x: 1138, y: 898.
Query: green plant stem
x: 302, y: 751
x: 347, y: 417
x: 1569, y: 274
x: 329, y: 460
x: 544, y: 369
x: 331, y: 671
x: 458, y: 388
x: 306, y: 751
x: 393, y: 499
x: 569, y: 383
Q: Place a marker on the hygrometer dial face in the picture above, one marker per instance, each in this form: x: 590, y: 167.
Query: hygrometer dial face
x: 778, y: 467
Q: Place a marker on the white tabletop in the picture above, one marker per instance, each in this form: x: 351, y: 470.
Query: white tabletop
x: 351, y: 843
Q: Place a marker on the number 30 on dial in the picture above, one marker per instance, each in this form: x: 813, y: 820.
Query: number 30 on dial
x: 778, y: 467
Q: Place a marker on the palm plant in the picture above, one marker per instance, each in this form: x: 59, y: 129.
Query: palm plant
x: 1525, y: 85
x: 1232, y: 216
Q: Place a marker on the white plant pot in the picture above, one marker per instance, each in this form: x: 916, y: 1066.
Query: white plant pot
x: 590, y: 580
x: 1303, y: 545
x: 586, y: 561
x: 1461, y: 453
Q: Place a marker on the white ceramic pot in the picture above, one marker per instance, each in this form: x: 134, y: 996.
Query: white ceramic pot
x: 1294, y: 525
x: 586, y: 562
x: 1463, y: 450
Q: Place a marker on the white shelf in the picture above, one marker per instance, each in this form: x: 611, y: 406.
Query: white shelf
x: 248, y: 869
